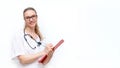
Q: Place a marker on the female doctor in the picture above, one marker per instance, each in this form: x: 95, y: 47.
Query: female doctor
x: 27, y: 47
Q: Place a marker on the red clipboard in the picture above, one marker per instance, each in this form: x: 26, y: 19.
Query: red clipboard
x: 54, y: 48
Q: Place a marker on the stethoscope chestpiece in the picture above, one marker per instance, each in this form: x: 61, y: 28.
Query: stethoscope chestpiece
x: 39, y: 43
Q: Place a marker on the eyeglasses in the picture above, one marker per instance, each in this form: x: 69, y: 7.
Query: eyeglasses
x: 29, y: 17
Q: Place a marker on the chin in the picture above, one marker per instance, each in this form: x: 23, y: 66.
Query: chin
x: 32, y: 26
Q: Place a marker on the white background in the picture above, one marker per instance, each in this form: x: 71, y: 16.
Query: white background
x: 90, y: 28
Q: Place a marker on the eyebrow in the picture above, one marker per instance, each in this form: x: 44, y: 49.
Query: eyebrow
x: 30, y: 16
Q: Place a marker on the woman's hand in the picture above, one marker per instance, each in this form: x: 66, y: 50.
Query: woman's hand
x: 48, y: 49
x: 49, y: 52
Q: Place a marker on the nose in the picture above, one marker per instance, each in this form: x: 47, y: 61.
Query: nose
x: 31, y: 19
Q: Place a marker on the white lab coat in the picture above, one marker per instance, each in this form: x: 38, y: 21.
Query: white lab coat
x: 20, y: 47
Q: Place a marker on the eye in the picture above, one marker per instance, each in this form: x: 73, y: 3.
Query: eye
x: 33, y: 17
x: 27, y: 17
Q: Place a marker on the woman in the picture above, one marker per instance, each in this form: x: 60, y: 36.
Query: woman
x: 27, y: 46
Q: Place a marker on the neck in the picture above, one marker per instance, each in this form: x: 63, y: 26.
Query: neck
x: 30, y: 30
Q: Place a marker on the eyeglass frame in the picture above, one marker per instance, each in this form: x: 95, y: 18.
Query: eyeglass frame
x: 29, y: 17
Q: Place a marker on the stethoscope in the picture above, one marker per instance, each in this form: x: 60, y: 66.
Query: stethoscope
x: 38, y: 43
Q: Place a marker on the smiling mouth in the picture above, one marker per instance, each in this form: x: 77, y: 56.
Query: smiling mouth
x: 31, y: 22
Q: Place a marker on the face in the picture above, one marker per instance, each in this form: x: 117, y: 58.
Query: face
x: 30, y: 18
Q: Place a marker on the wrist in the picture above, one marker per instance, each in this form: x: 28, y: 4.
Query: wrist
x: 44, y: 53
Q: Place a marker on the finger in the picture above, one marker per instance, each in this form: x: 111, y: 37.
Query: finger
x: 50, y: 44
